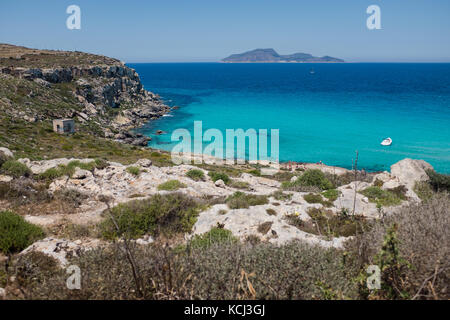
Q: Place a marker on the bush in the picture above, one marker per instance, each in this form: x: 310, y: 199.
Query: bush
x: 135, y: 171
x: 3, y: 158
x: 239, y: 184
x: 222, y: 271
x: 213, y: 237
x: 423, y: 240
x: 196, y: 175
x: 69, y: 169
x: 271, y: 212
x: 16, y: 234
x: 439, y: 182
x: 331, y: 194
x: 24, y: 191
x: 171, y: 185
x: 160, y: 214
x: 239, y: 200
x: 328, y: 224
x: 423, y: 190
x: 314, y: 178
x: 383, y: 197
x: 15, y: 169
x: 219, y: 176
x: 313, y: 198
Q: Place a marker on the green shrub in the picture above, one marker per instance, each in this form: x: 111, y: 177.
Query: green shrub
x: 313, y: 198
x: 331, y: 194
x: 239, y: 184
x: 15, y: 169
x: 50, y: 174
x: 382, y: 197
x: 16, y: 234
x: 239, y: 200
x: 69, y: 169
x: 3, y: 158
x: 134, y: 170
x: 314, y: 178
x: 160, y: 214
x: 214, y: 236
x: 196, y: 174
x: 219, y: 176
x: 439, y: 182
x: 326, y: 223
x: 423, y: 190
x: 171, y: 185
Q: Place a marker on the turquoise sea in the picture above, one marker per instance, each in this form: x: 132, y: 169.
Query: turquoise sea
x: 325, y: 116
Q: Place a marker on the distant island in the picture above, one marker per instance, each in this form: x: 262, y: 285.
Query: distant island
x: 270, y: 55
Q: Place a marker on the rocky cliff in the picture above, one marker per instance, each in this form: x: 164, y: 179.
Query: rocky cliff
x: 99, y: 92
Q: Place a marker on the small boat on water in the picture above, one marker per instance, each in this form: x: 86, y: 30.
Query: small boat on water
x: 386, y: 142
x: 312, y: 71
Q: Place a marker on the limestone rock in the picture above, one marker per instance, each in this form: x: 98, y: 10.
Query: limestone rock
x: 219, y: 183
x: 81, y: 174
x: 145, y: 163
x: 59, y: 249
x: 6, y: 152
x: 4, y: 178
x: 408, y: 171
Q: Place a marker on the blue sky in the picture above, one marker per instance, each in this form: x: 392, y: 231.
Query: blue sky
x: 208, y: 30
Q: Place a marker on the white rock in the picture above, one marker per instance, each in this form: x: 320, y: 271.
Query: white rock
x: 5, y: 178
x: 2, y: 293
x: 6, y: 152
x: 383, y: 177
x: 219, y: 183
x: 81, y: 174
x: 55, y: 248
x: 145, y: 163
x: 408, y: 171
x: 293, y: 179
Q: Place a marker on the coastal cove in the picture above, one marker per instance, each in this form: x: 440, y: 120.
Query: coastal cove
x: 324, y: 116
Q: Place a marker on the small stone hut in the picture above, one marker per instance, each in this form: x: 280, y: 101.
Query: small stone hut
x: 64, y: 126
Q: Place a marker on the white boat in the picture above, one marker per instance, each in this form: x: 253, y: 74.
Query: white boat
x: 386, y: 142
x: 312, y: 71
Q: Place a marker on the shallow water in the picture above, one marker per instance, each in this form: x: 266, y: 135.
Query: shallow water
x: 325, y: 116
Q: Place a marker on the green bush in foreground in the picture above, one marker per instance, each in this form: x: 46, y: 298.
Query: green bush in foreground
x: 239, y: 200
x: 195, y: 174
x: 219, y: 176
x: 15, y: 169
x: 160, y: 214
x: 214, y: 236
x: 16, y: 234
x: 171, y: 185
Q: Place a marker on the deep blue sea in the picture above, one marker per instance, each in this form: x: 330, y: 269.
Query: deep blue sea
x: 325, y: 116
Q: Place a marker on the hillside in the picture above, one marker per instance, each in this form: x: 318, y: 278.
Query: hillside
x: 104, y: 97
x: 270, y: 55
